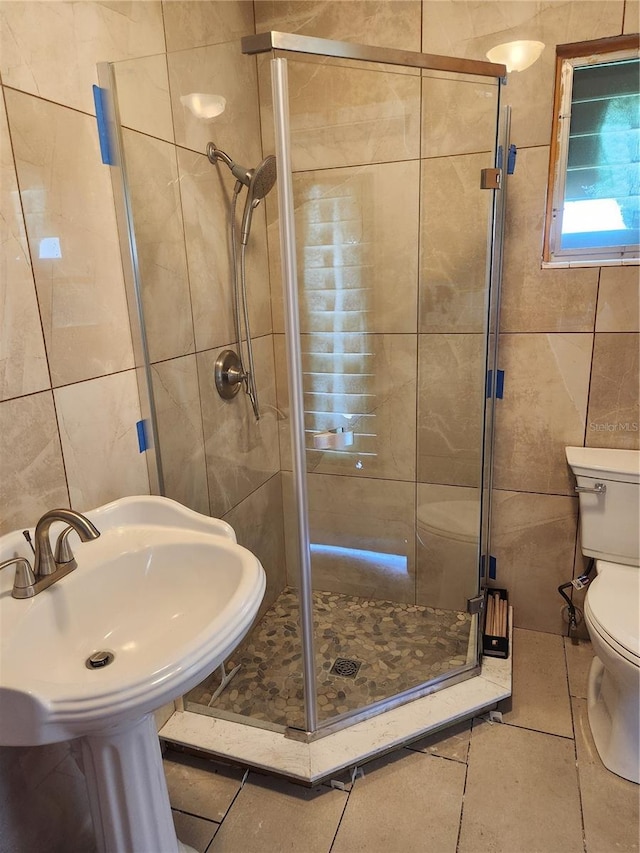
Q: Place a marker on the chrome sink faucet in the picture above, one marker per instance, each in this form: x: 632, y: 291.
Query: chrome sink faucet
x: 48, y: 568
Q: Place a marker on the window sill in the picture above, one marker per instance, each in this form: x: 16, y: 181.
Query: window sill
x: 592, y: 262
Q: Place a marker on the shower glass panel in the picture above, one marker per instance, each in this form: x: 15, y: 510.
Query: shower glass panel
x: 393, y: 251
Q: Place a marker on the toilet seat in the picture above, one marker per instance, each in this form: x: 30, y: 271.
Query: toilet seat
x: 611, y: 606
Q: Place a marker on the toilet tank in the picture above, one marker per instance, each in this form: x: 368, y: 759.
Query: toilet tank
x: 609, y: 520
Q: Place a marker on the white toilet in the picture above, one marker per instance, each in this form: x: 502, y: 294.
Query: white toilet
x: 609, y: 490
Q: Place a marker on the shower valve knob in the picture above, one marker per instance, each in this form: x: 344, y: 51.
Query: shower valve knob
x: 228, y: 374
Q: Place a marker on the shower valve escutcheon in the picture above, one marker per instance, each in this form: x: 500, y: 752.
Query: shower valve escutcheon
x: 229, y: 374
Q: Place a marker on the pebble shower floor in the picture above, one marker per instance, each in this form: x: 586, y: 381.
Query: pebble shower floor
x: 397, y: 645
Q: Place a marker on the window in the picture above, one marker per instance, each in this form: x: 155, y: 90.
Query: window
x: 593, y: 209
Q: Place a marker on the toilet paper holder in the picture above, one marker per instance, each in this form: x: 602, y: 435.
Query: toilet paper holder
x: 333, y: 439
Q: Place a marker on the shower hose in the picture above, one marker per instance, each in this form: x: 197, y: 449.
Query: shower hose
x: 241, y: 310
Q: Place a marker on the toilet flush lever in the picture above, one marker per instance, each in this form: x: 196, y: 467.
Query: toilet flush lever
x: 597, y: 488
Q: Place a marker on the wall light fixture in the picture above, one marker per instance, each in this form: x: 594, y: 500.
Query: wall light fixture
x: 516, y: 55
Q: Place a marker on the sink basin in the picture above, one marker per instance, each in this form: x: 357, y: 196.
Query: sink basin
x: 168, y: 592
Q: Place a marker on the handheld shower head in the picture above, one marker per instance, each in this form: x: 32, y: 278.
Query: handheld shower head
x: 263, y: 178
x: 261, y: 182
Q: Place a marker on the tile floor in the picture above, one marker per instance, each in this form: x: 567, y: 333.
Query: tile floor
x: 397, y: 645
x: 533, y: 784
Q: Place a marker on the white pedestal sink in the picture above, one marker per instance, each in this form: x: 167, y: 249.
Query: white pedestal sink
x: 166, y: 591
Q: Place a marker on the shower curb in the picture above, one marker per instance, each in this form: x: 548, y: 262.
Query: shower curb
x: 319, y: 760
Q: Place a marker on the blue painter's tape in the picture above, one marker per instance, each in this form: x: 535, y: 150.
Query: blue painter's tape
x: 142, y: 436
x: 511, y: 159
x: 499, y: 384
x: 493, y: 568
x: 106, y: 152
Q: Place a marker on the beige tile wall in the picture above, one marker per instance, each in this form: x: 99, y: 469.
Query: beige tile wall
x: 195, y: 23
x: 179, y: 413
x: 232, y: 75
x: 216, y: 457
x: 364, y: 117
x: 342, y: 226
x: 613, y: 416
x: 450, y: 408
x: 152, y: 172
x: 533, y: 299
x: 453, y: 259
x: 23, y: 361
x: 143, y: 96
x: 467, y: 28
x: 64, y: 319
x: 386, y: 24
x: 65, y: 195
x: 448, y: 563
x: 258, y: 523
x: 51, y: 49
x: 360, y: 514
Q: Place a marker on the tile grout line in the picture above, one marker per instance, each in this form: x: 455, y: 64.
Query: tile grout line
x: 196, y: 815
x: 209, y: 845
x: 25, y: 242
x: 435, y: 754
x: 537, y: 731
x: 575, y: 747
x: 226, y: 814
x: 593, y: 352
x: 346, y: 803
x: 189, y: 274
x: 464, y: 787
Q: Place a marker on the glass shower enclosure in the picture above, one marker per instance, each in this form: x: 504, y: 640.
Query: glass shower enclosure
x: 372, y: 280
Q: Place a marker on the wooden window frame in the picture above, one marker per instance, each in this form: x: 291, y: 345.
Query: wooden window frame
x: 552, y: 256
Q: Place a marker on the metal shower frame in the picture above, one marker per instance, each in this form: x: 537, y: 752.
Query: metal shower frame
x: 280, y: 45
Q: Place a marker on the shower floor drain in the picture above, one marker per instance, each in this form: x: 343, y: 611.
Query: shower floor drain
x: 346, y: 667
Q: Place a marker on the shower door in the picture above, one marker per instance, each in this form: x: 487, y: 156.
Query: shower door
x: 385, y: 240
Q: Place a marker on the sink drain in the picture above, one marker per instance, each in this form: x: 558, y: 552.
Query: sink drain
x: 99, y: 659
